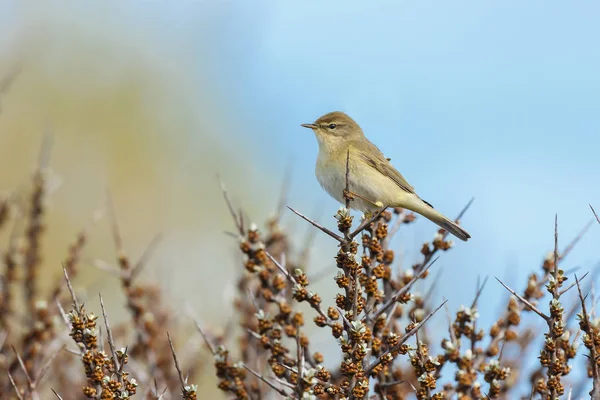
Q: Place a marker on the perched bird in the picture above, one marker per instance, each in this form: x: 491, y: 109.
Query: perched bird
x: 373, y: 181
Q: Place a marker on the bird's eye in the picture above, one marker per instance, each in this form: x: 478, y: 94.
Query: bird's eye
x: 332, y: 126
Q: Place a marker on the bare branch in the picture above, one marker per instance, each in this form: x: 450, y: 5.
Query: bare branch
x: 595, y: 215
x: 73, y: 297
x: 390, y: 384
x: 271, y: 384
x: 412, y: 332
x: 300, y: 364
x: 111, y: 342
x: 47, y: 365
x: 465, y: 208
x: 212, y: 350
x: 22, y: 364
x: 479, y: 291
x: 347, y: 190
x: 572, y: 284
x: 367, y: 222
x: 14, y: 385
x: 177, y: 367
x: 236, y: 219
x: 318, y: 226
x: 555, y: 272
x: 575, y: 240
x: 525, y: 301
x: 56, y: 394
x: 595, y: 392
x: 402, y: 291
x: 148, y: 252
x: 281, y: 268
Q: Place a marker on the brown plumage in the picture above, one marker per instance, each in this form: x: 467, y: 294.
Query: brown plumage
x: 372, y: 177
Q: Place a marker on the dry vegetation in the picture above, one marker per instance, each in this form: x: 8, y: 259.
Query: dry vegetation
x: 380, y: 323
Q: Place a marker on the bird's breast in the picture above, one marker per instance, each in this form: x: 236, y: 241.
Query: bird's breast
x: 331, y: 175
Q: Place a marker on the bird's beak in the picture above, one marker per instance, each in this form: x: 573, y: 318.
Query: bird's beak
x: 309, y: 126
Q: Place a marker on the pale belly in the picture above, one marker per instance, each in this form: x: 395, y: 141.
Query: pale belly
x: 369, y: 183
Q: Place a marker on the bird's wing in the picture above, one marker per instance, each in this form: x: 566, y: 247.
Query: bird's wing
x: 373, y: 157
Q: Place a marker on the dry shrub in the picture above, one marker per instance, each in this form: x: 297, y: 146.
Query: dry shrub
x: 383, y: 347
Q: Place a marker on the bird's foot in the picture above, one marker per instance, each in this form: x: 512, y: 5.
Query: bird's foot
x: 370, y: 214
x: 348, y: 195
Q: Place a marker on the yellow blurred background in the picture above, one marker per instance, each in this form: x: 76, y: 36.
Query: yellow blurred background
x: 129, y: 110
x: 133, y: 111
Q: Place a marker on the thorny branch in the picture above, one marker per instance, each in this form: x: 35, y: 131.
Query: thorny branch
x: 377, y: 309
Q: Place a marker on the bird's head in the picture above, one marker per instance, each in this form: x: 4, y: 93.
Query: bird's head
x: 335, y: 127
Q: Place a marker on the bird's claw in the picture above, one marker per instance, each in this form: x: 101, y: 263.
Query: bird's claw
x: 348, y: 195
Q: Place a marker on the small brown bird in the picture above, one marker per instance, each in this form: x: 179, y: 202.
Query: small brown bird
x: 373, y: 181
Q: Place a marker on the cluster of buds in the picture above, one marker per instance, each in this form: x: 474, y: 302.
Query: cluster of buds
x: 467, y: 363
x: 590, y: 326
x: 440, y: 242
x: 557, y: 350
x: 275, y: 325
x: 591, y: 339
x: 494, y: 373
x: 366, y: 321
x: 231, y: 376
x: 106, y: 377
x: 426, y: 369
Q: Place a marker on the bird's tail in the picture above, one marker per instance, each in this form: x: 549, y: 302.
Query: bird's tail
x: 426, y: 210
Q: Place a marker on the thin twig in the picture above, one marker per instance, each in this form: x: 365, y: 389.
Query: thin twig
x: 465, y: 208
x: 111, y: 342
x: 347, y: 190
x: 575, y: 240
x: 367, y: 222
x: 421, y: 361
x: 281, y: 268
x: 73, y: 297
x: 595, y: 392
x: 47, y: 365
x: 22, y: 364
x: 555, y: 318
x: 402, y: 291
x: 572, y: 284
x: 479, y: 291
x: 450, y: 328
x: 236, y: 219
x: 56, y: 394
x: 292, y: 279
x: 212, y: 350
x: 143, y: 260
x: 595, y: 215
x: 14, y: 385
x: 412, y: 332
x: 271, y: 384
x: 525, y: 301
x: 185, y: 390
x: 317, y: 225
x: 390, y: 384
x: 300, y: 364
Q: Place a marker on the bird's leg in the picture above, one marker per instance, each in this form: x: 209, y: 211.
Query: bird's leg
x: 370, y: 214
x: 349, y: 195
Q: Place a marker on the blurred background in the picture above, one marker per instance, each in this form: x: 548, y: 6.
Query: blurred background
x: 495, y: 100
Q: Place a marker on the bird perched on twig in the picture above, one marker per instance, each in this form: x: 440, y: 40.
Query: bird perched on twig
x: 373, y: 182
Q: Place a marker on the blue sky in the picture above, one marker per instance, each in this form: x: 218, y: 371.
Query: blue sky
x: 495, y: 100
